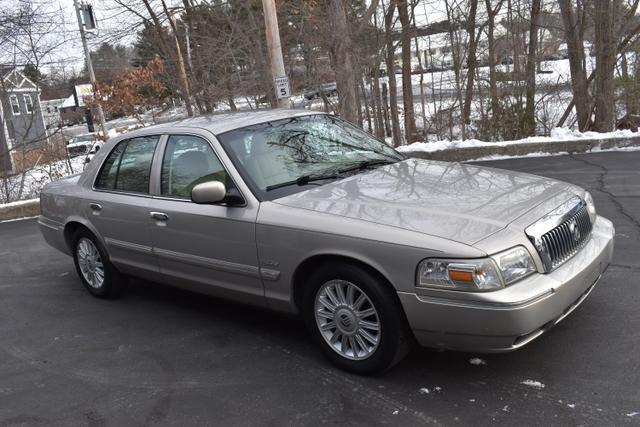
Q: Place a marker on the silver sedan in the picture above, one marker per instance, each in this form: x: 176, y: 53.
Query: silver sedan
x: 304, y: 213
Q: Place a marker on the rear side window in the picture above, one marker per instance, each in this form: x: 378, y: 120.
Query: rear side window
x: 188, y: 161
x: 128, y: 166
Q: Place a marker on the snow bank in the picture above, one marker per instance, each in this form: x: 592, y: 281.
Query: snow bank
x: 557, y: 134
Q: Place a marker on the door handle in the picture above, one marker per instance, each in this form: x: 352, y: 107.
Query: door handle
x: 95, y: 207
x: 159, y: 216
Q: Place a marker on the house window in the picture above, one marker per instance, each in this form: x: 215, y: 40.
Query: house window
x: 28, y: 103
x: 15, y: 106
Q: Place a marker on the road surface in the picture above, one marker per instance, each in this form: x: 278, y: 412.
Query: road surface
x: 161, y: 356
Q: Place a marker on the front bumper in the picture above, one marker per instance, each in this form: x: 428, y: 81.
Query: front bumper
x: 507, y: 319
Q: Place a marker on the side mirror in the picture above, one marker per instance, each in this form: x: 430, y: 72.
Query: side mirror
x: 208, y: 192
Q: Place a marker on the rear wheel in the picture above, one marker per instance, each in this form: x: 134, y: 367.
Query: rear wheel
x: 355, y: 318
x: 97, y: 274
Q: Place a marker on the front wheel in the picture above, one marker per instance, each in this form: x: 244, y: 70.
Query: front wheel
x: 356, y: 319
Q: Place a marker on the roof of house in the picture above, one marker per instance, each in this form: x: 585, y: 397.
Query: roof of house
x: 16, y: 80
x: 69, y: 102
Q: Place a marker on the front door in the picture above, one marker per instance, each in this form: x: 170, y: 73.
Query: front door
x: 213, y: 246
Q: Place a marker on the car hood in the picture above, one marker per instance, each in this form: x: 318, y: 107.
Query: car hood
x: 456, y: 201
x: 79, y: 144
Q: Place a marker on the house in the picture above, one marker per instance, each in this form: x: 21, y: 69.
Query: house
x: 70, y: 112
x: 51, y: 112
x: 22, y: 124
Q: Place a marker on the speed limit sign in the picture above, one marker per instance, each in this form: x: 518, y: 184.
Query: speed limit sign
x: 282, y: 87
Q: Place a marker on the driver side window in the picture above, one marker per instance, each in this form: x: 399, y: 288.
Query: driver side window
x: 188, y: 161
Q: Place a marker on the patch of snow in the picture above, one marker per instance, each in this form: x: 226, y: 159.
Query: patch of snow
x: 477, y: 361
x: 506, y: 408
x: 533, y: 383
x: 571, y: 405
x: 19, y: 203
x: 396, y: 412
x: 424, y: 390
x: 633, y: 414
x: 437, y: 389
x: 18, y: 219
x: 472, y: 400
x: 557, y: 134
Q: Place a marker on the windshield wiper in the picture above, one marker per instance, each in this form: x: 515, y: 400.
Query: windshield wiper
x: 303, y: 180
x: 367, y: 164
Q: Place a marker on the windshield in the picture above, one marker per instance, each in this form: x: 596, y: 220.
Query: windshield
x: 275, y: 153
x: 83, y: 138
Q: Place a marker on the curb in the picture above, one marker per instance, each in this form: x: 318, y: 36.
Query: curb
x: 568, y: 146
x: 22, y: 209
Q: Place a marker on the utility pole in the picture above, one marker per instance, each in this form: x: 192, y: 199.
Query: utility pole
x: 92, y: 75
x: 281, y: 81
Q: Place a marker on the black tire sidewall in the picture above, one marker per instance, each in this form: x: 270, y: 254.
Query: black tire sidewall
x: 392, y: 322
x: 109, y: 286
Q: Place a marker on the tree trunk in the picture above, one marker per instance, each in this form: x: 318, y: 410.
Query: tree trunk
x: 605, y: 45
x: 377, y: 102
x: 178, y: 59
x: 390, y: 61
x: 471, y: 61
x: 493, y: 84
x: 455, y: 54
x: 342, y: 54
x: 573, y: 24
x: 529, y: 110
x: 375, y: 87
x: 423, y: 108
x: 385, y: 110
x: 410, y: 132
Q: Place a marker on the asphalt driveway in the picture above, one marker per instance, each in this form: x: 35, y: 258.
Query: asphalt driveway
x: 167, y: 357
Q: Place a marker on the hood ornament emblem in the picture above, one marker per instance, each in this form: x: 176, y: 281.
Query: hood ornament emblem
x: 574, y: 230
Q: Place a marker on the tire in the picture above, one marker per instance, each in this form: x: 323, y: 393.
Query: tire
x: 90, y: 258
x: 366, y: 350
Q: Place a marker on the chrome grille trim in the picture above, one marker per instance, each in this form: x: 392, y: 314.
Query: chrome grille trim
x: 561, y: 233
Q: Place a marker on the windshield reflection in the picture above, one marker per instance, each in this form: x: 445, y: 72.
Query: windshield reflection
x: 284, y: 151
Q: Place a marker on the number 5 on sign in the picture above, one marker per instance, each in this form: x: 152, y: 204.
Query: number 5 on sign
x: 282, y: 87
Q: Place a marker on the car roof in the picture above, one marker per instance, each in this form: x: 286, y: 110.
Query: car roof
x: 218, y: 123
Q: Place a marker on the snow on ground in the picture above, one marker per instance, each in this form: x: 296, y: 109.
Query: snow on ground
x: 533, y: 383
x: 557, y: 134
x: 22, y: 187
x: 476, y: 361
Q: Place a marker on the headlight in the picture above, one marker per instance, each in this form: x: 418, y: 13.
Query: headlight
x: 465, y: 275
x: 484, y: 274
x: 591, y: 207
x: 514, y: 264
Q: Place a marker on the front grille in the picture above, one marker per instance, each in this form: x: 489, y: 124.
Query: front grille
x: 566, y: 239
x: 561, y: 233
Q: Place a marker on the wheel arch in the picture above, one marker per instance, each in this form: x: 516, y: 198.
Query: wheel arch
x: 318, y: 260
x: 71, y: 227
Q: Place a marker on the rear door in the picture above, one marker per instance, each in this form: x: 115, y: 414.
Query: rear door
x: 119, y: 206
x: 213, y: 246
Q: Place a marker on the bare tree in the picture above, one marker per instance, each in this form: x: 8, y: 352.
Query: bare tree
x: 573, y: 18
x: 530, y: 72
x: 410, y: 132
x: 390, y: 62
x: 471, y: 59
